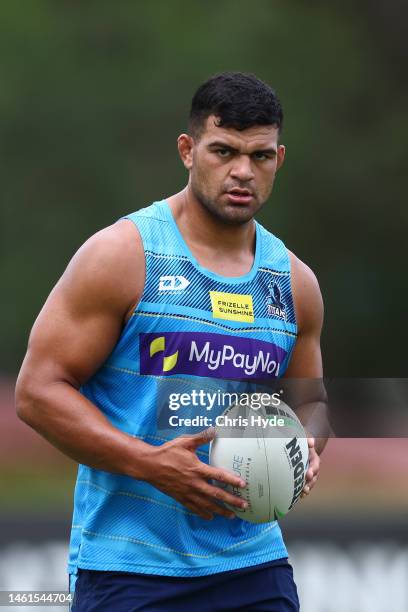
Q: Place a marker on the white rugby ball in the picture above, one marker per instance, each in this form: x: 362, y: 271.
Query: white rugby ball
x: 271, y: 455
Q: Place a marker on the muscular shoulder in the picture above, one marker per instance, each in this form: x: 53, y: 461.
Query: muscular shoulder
x: 307, y: 296
x: 109, y: 268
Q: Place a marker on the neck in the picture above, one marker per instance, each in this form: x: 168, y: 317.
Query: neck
x: 200, y: 228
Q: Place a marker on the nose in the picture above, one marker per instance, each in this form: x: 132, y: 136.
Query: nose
x: 242, y: 168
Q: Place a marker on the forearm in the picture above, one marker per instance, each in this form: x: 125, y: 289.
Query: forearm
x: 71, y: 423
x: 314, y: 419
x: 308, y: 399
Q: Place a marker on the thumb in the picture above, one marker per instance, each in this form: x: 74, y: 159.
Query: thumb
x: 199, y: 439
x: 310, y: 442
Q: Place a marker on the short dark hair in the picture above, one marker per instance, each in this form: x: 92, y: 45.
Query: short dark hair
x: 239, y: 101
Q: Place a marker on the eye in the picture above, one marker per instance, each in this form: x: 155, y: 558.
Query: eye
x: 223, y: 153
x: 259, y: 156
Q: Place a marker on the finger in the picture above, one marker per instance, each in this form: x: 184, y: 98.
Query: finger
x: 310, y: 484
x: 225, y: 512
x: 308, y: 487
x: 222, y: 476
x: 200, y: 510
x: 208, y: 508
x: 311, y: 442
x: 314, y: 462
x: 311, y: 473
x: 196, y: 440
x: 314, y: 459
x: 224, y: 496
x: 313, y: 482
x: 219, y: 509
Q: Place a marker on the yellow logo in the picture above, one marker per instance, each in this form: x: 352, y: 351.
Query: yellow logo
x: 232, y: 306
x: 158, y: 344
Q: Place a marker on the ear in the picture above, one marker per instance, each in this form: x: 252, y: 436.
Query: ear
x: 185, y: 145
x: 281, y: 156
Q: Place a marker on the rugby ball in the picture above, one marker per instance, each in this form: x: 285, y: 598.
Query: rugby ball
x: 268, y: 448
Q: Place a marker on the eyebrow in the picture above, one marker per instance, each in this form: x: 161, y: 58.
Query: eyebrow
x: 223, y: 145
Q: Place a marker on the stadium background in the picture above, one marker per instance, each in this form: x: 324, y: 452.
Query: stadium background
x: 92, y: 98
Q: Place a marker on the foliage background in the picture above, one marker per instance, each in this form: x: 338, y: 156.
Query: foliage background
x: 93, y: 96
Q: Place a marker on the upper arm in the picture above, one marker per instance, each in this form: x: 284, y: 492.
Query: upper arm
x: 306, y: 359
x: 82, y: 318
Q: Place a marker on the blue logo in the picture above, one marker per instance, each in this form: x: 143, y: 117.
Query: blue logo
x: 275, y: 304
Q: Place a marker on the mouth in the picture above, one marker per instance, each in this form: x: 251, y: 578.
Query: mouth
x: 239, y: 196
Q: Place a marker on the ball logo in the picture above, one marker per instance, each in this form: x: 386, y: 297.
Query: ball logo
x: 295, y: 457
x: 159, y: 345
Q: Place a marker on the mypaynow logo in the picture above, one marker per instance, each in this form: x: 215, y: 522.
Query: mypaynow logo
x: 214, y: 355
x: 158, y: 345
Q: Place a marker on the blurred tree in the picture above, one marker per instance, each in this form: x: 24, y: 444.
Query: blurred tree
x: 94, y: 95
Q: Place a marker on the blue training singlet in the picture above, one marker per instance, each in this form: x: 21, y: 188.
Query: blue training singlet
x: 192, y: 330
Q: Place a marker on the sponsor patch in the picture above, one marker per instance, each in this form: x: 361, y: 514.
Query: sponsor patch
x: 232, y: 306
x: 210, y: 355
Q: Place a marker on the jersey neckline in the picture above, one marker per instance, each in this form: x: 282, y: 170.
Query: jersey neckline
x: 219, y: 277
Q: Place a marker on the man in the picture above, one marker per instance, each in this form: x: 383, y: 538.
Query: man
x: 143, y: 309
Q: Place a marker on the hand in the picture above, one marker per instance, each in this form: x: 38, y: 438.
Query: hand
x: 177, y: 471
x: 313, y: 470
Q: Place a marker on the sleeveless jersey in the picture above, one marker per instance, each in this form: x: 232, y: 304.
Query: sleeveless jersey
x: 192, y: 330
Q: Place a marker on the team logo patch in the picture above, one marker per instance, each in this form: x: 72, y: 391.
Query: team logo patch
x: 232, y: 306
x: 173, y: 283
x: 275, y: 304
x: 210, y: 355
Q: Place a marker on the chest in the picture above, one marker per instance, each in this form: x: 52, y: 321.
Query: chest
x: 175, y: 283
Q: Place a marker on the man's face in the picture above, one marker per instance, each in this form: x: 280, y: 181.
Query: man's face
x: 232, y: 172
